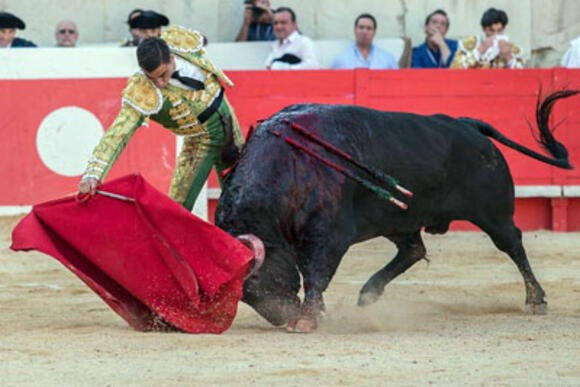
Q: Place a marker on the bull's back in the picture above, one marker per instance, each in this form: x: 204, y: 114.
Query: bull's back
x: 434, y: 156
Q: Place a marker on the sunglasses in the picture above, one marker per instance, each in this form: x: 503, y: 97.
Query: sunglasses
x: 65, y: 31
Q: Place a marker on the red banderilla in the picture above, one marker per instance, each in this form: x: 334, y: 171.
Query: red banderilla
x: 382, y: 193
x: 371, y: 171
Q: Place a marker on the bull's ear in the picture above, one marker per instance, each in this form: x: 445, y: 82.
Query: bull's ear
x: 257, y: 246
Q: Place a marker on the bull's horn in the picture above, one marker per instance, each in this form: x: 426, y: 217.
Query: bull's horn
x: 253, y: 243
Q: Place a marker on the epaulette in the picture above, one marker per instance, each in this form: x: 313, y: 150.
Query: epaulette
x: 181, y: 39
x: 143, y: 95
x: 469, y: 43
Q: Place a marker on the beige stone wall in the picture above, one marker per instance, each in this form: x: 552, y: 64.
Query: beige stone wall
x: 542, y: 28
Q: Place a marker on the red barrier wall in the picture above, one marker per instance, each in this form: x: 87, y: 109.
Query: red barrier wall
x: 504, y: 98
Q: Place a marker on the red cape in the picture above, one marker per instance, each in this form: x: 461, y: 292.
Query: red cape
x: 149, y: 259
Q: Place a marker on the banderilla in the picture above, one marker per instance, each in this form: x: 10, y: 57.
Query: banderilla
x: 380, y: 192
x: 371, y: 171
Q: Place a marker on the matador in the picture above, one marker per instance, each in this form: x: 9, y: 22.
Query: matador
x: 178, y: 87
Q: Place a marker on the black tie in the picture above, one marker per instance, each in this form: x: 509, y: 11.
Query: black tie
x: 193, y: 83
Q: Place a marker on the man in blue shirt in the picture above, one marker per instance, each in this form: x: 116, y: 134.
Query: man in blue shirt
x: 363, y: 53
x: 437, y: 52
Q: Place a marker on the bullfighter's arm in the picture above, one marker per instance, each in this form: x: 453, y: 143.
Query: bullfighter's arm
x: 467, y: 55
x: 112, y: 143
x: 517, y: 61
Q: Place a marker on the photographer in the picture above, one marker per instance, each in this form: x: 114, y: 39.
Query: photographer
x: 258, y: 22
x: 493, y: 49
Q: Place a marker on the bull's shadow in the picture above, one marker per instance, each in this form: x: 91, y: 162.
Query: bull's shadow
x: 308, y: 203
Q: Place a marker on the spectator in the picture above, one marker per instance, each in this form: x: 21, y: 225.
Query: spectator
x: 492, y: 50
x: 571, y: 58
x: 291, y: 50
x: 133, y: 40
x: 145, y: 24
x: 363, y: 53
x: 436, y: 51
x: 257, y: 25
x: 66, y: 34
x: 8, y: 26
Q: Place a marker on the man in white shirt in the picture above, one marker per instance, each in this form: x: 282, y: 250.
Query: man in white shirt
x: 292, y: 50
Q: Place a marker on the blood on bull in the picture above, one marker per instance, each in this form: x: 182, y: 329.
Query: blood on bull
x: 315, y: 179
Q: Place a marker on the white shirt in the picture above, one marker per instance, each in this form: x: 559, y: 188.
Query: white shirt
x: 571, y: 58
x: 296, y: 44
x: 186, y: 69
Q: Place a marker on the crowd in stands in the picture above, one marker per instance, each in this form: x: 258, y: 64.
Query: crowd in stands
x: 293, y: 50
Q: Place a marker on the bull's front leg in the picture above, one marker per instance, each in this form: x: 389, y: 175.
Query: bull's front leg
x: 317, y: 262
x: 310, y: 312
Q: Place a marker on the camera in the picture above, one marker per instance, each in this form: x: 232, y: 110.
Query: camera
x: 256, y: 11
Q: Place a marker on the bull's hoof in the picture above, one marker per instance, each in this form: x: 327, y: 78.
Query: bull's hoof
x: 537, y: 309
x: 367, y: 298
x: 302, y: 325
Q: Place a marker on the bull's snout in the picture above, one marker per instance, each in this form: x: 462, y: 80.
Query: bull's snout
x: 257, y: 246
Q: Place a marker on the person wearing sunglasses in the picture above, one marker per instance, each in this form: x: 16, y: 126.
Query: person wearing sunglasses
x: 66, y: 34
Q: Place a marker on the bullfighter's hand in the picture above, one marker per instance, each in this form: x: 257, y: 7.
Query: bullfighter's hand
x: 88, y: 186
x: 487, y: 43
x: 505, y: 50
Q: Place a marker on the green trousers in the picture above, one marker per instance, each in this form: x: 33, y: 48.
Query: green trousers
x: 202, y: 152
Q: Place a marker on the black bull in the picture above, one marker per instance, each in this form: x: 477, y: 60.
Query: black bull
x: 307, y: 214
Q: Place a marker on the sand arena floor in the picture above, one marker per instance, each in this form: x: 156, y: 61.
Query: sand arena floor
x: 456, y: 320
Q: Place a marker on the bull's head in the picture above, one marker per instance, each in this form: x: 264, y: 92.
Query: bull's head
x: 272, y: 283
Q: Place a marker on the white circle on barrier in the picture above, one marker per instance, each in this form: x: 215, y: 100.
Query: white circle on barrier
x: 65, y: 139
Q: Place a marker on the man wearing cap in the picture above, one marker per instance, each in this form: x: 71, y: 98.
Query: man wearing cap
x: 8, y: 26
x: 144, y: 24
x: 179, y: 88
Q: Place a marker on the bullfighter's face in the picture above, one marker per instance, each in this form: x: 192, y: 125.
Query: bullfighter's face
x: 145, y: 33
x: 162, y: 74
x: 494, y: 29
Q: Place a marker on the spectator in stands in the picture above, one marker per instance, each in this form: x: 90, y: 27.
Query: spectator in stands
x: 436, y: 51
x: 133, y: 40
x: 493, y: 49
x: 66, y: 34
x: 363, y: 53
x: 291, y: 50
x: 145, y: 24
x: 8, y: 26
x: 258, y: 22
x: 571, y: 58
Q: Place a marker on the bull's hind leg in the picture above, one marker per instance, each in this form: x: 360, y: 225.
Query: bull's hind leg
x: 411, y: 250
x: 508, y: 238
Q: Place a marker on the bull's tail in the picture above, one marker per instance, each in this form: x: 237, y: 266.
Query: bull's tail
x: 546, y: 138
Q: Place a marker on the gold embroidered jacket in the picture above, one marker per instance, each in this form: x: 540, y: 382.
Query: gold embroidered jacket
x: 467, y: 56
x: 173, y: 107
